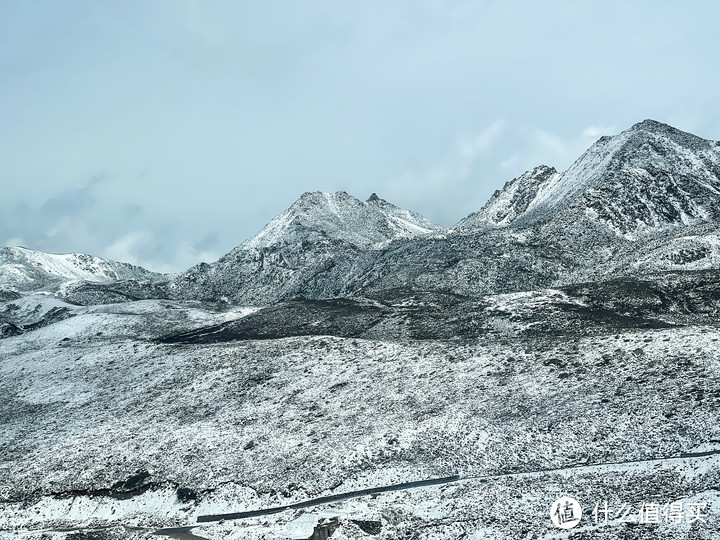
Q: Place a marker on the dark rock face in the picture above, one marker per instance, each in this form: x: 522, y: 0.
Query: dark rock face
x: 8, y: 329
x: 324, y: 529
x: 369, y: 527
x: 666, y: 301
x: 7, y: 295
x: 87, y: 293
x: 684, y: 256
x: 650, y: 198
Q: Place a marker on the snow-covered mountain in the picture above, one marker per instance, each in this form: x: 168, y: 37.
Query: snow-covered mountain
x: 26, y: 270
x: 318, y: 217
x: 310, y: 249
x: 645, y: 200
x: 648, y: 177
x: 627, y: 196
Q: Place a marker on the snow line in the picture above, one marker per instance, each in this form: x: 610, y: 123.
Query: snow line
x: 431, y: 482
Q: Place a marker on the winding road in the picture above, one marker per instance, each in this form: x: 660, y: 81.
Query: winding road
x: 184, y: 532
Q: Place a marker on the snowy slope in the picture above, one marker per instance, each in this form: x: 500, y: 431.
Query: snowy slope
x: 26, y: 270
x: 506, y: 205
x: 104, y: 424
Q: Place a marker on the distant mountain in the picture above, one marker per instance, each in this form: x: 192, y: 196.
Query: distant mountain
x: 308, y: 250
x: 644, y: 201
x: 25, y: 270
x: 648, y: 177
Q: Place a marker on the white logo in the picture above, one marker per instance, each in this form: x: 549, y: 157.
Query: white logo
x: 565, y: 513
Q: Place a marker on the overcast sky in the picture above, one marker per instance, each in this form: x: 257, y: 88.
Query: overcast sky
x: 164, y: 133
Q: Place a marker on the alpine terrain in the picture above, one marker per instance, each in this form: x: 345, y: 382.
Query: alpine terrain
x: 357, y: 371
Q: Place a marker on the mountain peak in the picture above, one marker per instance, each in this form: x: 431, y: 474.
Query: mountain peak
x: 320, y: 216
x: 25, y: 269
x: 652, y: 125
x: 648, y: 176
x: 512, y: 200
x: 324, y: 198
x: 315, y: 240
x: 654, y: 130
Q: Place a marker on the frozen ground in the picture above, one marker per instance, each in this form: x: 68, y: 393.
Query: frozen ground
x: 106, y: 425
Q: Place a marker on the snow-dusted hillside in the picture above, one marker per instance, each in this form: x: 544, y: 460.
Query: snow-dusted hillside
x: 26, y: 270
x: 104, y: 423
x: 564, y: 340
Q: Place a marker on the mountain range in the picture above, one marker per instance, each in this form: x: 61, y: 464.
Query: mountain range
x: 645, y: 200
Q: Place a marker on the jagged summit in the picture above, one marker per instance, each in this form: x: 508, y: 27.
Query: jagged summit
x: 508, y: 204
x: 660, y: 129
x: 649, y: 176
x: 653, y: 125
x: 317, y: 216
x: 657, y: 127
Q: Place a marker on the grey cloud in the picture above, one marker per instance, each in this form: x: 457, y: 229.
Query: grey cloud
x: 69, y: 202
x: 206, y: 243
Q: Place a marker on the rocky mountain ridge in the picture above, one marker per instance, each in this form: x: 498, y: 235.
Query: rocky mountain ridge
x: 647, y: 177
x: 318, y: 216
x: 651, y: 185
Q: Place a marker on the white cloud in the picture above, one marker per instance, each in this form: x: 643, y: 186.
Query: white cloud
x: 429, y: 191
x: 458, y: 164
x: 141, y: 249
x: 551, y: 142
x: 16, y: 241
x: 510, y: 162
x: 472, y: 148
x: 188, y: 255
x: 593, y: 132
x: 131, y: 248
